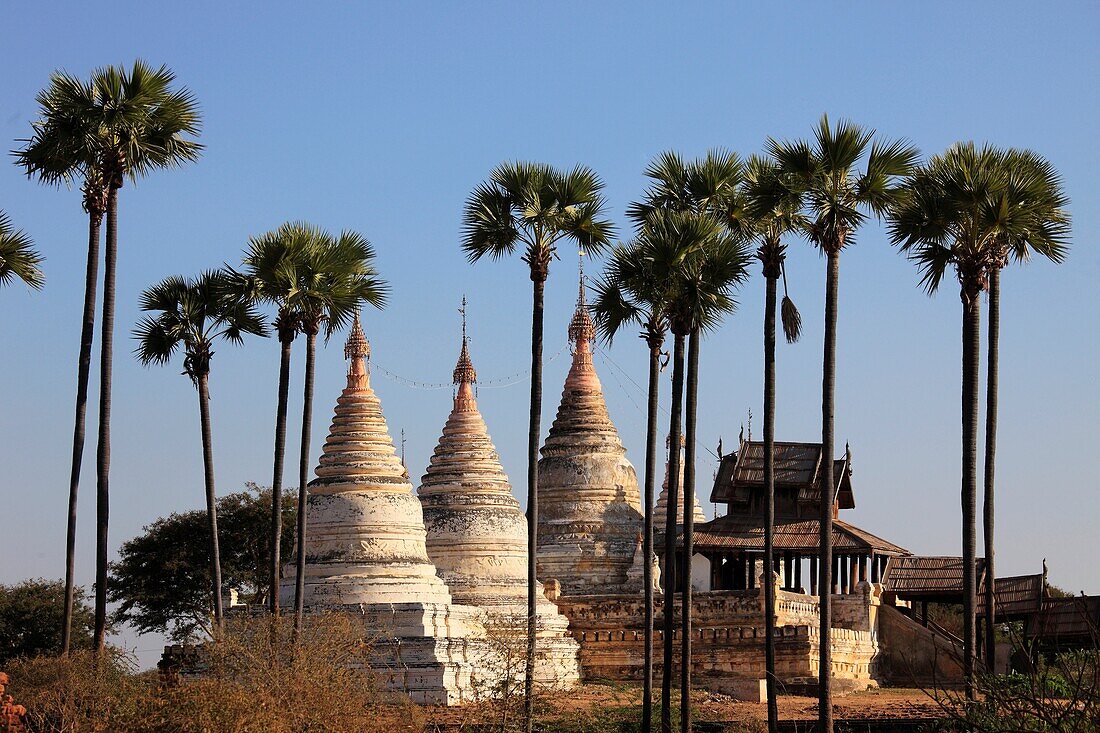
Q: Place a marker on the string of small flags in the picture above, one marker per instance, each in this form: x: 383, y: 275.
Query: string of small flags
x: 497, y: 383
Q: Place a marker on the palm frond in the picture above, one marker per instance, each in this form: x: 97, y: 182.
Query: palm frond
x: 18, y: 258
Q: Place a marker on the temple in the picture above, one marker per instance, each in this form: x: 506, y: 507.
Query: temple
x: 477, y: 536
x: 439, y: 578
x: 590, y: 508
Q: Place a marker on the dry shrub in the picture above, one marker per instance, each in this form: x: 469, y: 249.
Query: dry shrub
x: 79, y: 693
x: 254, y: 678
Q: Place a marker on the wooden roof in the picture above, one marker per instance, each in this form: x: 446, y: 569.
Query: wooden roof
x: 740, y: 532
x: 797, y: 465
x: 1017, y: 595
x: 930, y: 577
x: 1066, y: 619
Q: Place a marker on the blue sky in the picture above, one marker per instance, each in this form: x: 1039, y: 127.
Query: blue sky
x: 382, y: 118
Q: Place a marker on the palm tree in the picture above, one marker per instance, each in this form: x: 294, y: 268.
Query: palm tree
x: 271, y: 266
x: 60, y: 152
x: 951, y: 216
x: 697, y: 262
x: 18, y: 258
x: 192, y: 315
x: 532, y: 206
x: 631, y: 292
x: 838, y: 199
x: 332, y: 278
x: 1033, y: 207
x: 774, y: 211
x: 124, y: 123
x: 709, y: 187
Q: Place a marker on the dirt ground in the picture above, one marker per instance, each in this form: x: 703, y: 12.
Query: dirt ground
x: 599, y: 699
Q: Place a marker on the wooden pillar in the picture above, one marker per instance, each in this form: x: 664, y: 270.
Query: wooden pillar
x: 798, y: 573
x: 836, y: 575
x: 845, y: 574
x: 876, y: 576
x: 750, y: 571
x: 788, y: 570
x: 813, y: 574
x: 862, y: 568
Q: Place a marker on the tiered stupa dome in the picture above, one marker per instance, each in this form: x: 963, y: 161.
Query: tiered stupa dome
x: 365, y: 542
x: 590, y: 510
x: 662, y: 502
x: 477, y: 535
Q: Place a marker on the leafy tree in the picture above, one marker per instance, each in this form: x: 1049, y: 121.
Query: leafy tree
x: 18, y: 259
x: 32, y: 615
x: 531, y: 206
x: 162, y: 579
x: 839, y: 198
x: 123, y: 123
x: 192, y: 315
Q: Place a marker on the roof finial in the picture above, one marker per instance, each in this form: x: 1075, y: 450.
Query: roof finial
x: 462, y: 310
x: 464, y: 374
x: 581, y: 328
x: 750, y: 423
x: 719, y: 446
x: 357, y: 351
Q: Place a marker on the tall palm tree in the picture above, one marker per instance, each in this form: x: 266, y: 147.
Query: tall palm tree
x: 707, y: 186
x: 630, y: 293
x: 332, y: 279
x: 698, y: 263
x: 532, y: 206
x: 951, y: 216
x: 774, y: 214
x: 838, y: 200
x: 124, y: 123
x: 272, y: 266
x: 59, y: 152
x: 1033, y: 204
x: 191, y: 315
x: 18, y: 258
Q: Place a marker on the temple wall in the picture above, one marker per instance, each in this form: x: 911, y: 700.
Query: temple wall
x: 728, y: 649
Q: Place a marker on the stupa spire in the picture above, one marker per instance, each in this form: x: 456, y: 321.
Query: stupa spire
x: 464, y: 374
x: 589, y: 503
x: 357, y: 351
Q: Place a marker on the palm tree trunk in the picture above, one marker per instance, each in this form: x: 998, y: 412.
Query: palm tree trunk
x: 670, y: 531
x: 647, y: 537
x: 83, y: 367
x: 991, y: 388
x: 533, y: 432
x: 971, y: 358
x: 211, y: 499
x: 769, y: 505
x: 277, y: 478
x: 103, y: 453
x: 689, y: 528
x: 303, y: 476
x: 828, y: 396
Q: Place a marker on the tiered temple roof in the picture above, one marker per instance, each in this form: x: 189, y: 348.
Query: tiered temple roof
x: 590, y: 510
